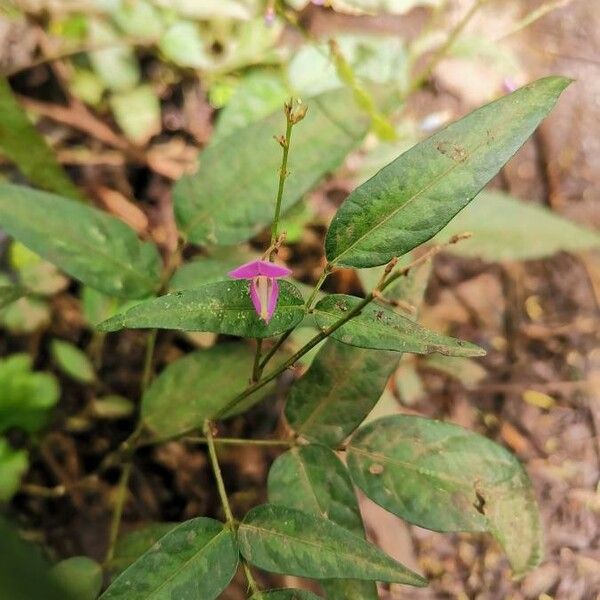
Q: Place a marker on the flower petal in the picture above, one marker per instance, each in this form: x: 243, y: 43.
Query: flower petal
x: 259, y: 267
x: 273, y: 296
x: 254, y: 297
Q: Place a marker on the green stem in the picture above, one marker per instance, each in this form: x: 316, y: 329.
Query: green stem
x: 239, y: 442
x: 149, y: 359
x: 256, y: 370
x: 214, y: 461
x: 254, y: 589
x: 115, y: 524
x: 282, y: 177
x: 313, y: 295
x: 269, y: 355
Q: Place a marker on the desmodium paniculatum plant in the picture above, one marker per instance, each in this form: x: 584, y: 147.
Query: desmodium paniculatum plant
x: 433, y: 474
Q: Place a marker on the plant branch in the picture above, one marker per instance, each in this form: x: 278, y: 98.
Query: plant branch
x: 283, y: 172
x: 212, y: 451
x: 325, y: 333
x: 256, y: 370
x: 115, y: 524
x: 239, y: 441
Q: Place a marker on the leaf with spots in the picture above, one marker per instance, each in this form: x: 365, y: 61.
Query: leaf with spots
x: 220, y: 307
x: 88, y: 244
x: 445, y: 478
x: 381, y: 328
x: 196, y: 559
x: 416, y: 195
x: 314, y: 480
x: 284, y: 540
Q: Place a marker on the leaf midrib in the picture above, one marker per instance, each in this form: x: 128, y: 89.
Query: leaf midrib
x: 354, y: 557
x: 186, y: 563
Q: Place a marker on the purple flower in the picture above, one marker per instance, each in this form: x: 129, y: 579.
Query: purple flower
x: 264, y: 289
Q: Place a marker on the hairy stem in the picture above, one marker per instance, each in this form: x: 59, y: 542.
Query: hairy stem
x: 283, y: 172
x: 115, y: 524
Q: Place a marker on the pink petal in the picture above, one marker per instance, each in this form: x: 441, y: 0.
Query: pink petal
x: 273, y: 296
x: 254, y: 297
x: 259, y: 267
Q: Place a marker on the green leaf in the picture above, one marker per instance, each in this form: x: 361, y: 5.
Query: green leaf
x: 221, y: 307
x: 416, y: 195
x: 137, y: 113
x: 10, y: 293
x: 283, y: 540
x: 285, y: 594
x: 139, y: 19
x: 338, y: 391
x: 258, y: 95
x: 80, y: 575
x: 230, y: 197
x: 196, y: 387
x: 116, y: 63
x: 381, y: 328
x: 505, y: 228
x: 314, y: 480
x: 25, y: 397
x: 72, y: 361
x: 443, y: 477
x: 196, y: 559
x: 26, y: 315
x: 182, y: 44
x: 90, y: 245
x: 132, y: 545
x: 21, y: 143
x: 23, y: 572
x: 13, y: 465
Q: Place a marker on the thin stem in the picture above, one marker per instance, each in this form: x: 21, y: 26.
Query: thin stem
x: 256, y: 370
x: 214, y: 461
x: 313, y: 295
x: 254, y: 589
x: 149, y: 359
x: 269, y: 355
x: 285, y: 143
x: 115, y: 524
x: 424, y: 75
x: 239, y: 442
